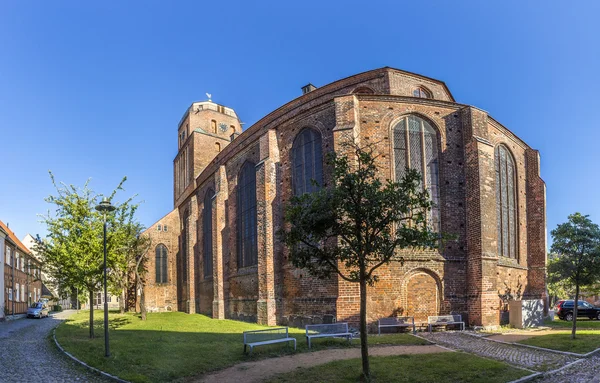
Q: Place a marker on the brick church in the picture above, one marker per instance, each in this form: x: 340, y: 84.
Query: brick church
x: 217, y: 252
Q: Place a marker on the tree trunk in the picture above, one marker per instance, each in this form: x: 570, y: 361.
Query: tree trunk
x: 364, y: 347
x: 122, y: 301
x: 142, y: 301
x: 575, y: 311
x: 91, y: 313
x: 140, y: 286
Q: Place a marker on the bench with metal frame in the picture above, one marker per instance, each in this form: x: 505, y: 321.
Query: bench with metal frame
x: 269, y: 336
x: 402, y: 322
x: 333, y: 330
x: 445, y: 320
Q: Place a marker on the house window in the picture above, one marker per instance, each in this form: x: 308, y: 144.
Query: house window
x: 161, y: 264
x: 415, y: 147
x: 207, y: 233
x: 213, y: 126
x: 506, y: 207
x: 18, y: 297
x: 23, y: 293
x: 8, y: 256
x: 307, y: 161
x: 246, y: 215
x: 164, y: 227
x: 421, y: 93
x: 159, y: 227
x: 10, y: 293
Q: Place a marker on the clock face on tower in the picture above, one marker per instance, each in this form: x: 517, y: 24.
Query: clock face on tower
x: 223, y: 127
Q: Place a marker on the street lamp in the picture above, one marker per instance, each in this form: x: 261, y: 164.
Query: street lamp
x: 105, y: 207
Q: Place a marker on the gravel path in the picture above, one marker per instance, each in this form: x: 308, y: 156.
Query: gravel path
x: 259, y: 371
x: 520, y: 356
x: 27, y: 353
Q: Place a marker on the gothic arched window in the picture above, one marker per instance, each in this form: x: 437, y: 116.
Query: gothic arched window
x: 246, y: 216
x: 207, y: 233
x: 415, y: 147
x: 307, y: 160
x: 161, y: 264
x: 506, y: 207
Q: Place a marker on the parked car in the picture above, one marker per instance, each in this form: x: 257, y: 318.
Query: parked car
x: 564, y: 310
x: 37, y: 310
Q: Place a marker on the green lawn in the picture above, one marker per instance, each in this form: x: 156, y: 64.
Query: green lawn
x: 581, y: 323
x: 439, y: 368
x: 585, y: 341
x: 173, y: 345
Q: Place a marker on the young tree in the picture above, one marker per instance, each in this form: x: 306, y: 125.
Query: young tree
x: 576, y: 244
x: 140, y: 250
x: 72, y: 252
x: 357, y: 224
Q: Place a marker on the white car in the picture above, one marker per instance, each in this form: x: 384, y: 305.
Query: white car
x: 37, y: 310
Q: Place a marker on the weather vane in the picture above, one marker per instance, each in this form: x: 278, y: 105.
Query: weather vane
x: 209, y: 96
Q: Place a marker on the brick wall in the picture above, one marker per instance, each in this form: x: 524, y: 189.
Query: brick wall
x: 163, y: 296
x: 464, y: 275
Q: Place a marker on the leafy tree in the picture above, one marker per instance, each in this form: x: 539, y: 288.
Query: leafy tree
x: 576, y: 244
x: 557, y: 287
x: 132, y: 258
x: 357, y: 224
x: 72, y: 251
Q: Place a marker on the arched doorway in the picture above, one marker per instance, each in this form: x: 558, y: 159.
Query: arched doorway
x: 422, y: 296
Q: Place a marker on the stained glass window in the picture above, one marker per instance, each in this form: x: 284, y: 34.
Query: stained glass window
x: 246, y: 216
x: 307, y: 159
x: 207, y: 233
x: 506, y: 213
x: 415, y: 147
x: 161, y: 264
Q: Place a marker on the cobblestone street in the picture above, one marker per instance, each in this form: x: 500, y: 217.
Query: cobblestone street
x: 28, y: 354
x: 520, y: 356
x: 587, y: 371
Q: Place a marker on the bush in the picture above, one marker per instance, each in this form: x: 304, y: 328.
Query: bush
x: 57, y: 308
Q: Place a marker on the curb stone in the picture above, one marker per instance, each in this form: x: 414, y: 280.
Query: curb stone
x: 103, y: 373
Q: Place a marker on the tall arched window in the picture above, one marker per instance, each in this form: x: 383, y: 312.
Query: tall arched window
x: 246, y: 216
x: 161, y: 264
x: 506, y: 207
x: 415, y: 147
x: 207, y: 234
x: 307, y: 160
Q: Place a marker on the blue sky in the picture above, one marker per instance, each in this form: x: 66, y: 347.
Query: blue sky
x: 96, y: 89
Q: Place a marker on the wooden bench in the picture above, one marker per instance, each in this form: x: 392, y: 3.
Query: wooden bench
x: 334, y: 330
x: 269, y: 336
x: 396, y: 322
x: 445, y: 320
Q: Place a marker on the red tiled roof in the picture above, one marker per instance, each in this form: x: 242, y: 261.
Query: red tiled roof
x: 14, y: 239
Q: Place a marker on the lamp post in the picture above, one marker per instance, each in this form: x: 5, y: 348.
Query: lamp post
x: 105, y: 207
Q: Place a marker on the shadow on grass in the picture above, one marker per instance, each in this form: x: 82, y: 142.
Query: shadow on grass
x: 170, y: 346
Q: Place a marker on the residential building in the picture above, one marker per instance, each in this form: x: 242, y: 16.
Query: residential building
x: 22, y: 275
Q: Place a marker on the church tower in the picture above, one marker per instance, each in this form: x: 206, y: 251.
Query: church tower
x: 203, y: 131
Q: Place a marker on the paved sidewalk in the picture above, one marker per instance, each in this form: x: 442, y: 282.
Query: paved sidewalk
x: 28, y: 354
x: 520, y: 356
